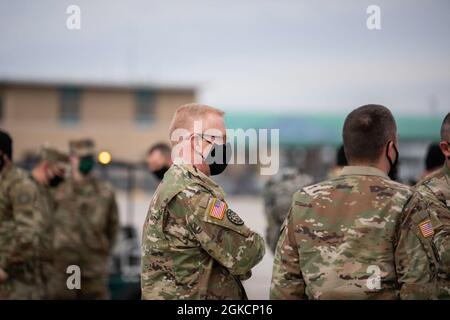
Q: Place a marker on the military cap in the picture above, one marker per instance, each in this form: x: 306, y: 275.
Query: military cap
x: 82, y: 147
x: 53, y: 155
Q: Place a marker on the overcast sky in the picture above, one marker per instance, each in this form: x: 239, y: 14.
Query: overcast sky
x: 280, y: 56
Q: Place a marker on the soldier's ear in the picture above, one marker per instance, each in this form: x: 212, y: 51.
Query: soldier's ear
x: 445, y: 148
x: 391, y: 150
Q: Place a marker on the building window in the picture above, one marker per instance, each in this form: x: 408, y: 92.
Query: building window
x: 69, y: 107
x: 145, y: 107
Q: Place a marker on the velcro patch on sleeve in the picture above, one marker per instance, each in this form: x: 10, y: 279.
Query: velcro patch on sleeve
x: 218, y: 209
x: 426, y: 228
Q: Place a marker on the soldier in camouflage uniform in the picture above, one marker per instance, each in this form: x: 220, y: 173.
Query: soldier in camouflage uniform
x: 359, y: 235
x: 193, y: 245
x: 48, y: 174
x: 277, y: 195
x: 87, y: 223
x: 21, y: 219
x: 436, y: 188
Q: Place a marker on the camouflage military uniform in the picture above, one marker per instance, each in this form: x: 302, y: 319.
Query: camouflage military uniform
x: 343, y: 234
x: 436, y: 188
x: 87, y: 223
x: 277, y: 194
x: 46, y: 254
x: 193, y: 245
x: 21, y: 220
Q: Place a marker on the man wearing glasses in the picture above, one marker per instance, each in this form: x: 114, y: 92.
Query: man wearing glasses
x: 194, y: 246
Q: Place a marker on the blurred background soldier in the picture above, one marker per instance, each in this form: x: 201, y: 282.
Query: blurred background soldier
x: 87, y: 222
x: 341, y: 162
x: 342, y: 237
x: 436, y: 187
x: 434, y: 159
x: 21, y: 219
x: 159, y: 159
x: 48, y: 173
x: 277, y: 194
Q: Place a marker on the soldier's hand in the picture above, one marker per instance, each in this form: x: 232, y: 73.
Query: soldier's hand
x: 3, y: 275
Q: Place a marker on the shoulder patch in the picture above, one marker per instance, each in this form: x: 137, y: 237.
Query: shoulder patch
x: 426, y: 228
x: 218, y: 209
x: 24, y: 198
x: 234, y: 218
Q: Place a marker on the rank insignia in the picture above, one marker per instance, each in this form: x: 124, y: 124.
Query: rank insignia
x: 234, y: 218
x: 24, y: 198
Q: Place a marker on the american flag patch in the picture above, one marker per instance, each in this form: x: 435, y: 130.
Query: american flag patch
x: 426, y: 228
x: 218, y: 209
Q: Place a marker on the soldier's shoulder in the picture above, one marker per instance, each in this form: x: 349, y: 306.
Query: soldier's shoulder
x: 343, y: 182
x: 182, y: 183
x: 325, y: 184
x: 399, y: 187
x: 19, y: 177
x: 177, y: 178
x: 21, y: 187
x: 432, y: 178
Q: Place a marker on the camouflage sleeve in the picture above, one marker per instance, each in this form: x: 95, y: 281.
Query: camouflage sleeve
x: 414, y: 257
x: 21, y: 243
x: 287, y: 279
x: 113, y: 225
x: 222, y: 234
x: 441, y: 224
x: 440, y: 218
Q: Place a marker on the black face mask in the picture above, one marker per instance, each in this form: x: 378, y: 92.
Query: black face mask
x: 393, y: 171
x: 2, y: 162
x: 220, y: 152
x: 86, y: 165
x: 55, y: 181
x: 159, y: 174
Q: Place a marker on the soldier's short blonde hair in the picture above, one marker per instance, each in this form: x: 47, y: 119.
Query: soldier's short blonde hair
x: 185, y: 116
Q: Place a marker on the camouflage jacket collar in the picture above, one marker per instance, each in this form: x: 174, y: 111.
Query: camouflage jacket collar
x: 363, y: 171
x: 446, y: 170
x: 203, y: 177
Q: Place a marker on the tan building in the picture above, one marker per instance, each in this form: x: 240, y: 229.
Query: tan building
x: 122, y: 119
